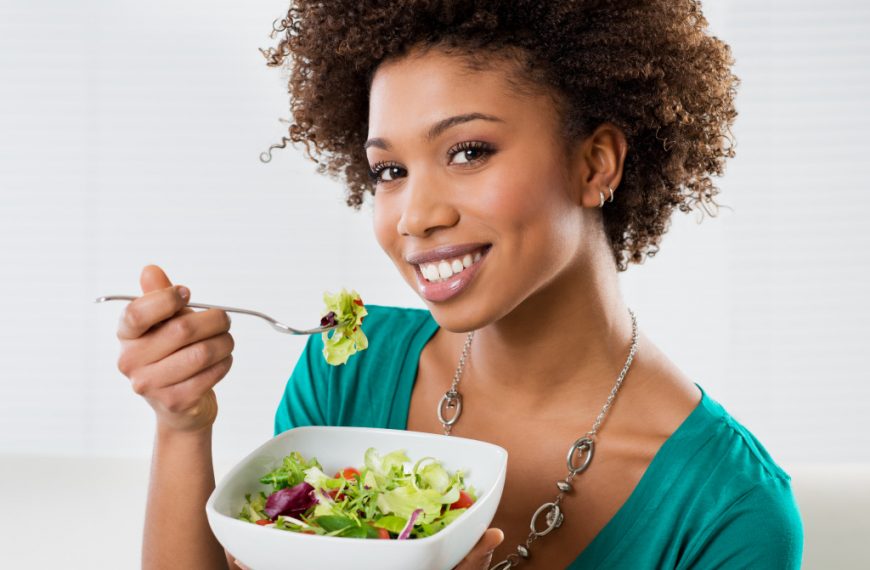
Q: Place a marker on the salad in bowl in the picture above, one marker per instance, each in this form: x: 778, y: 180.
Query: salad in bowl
x: 317, y: 497
x: 384, y: 499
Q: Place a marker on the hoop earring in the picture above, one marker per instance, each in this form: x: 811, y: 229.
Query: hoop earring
x: 601, y: 196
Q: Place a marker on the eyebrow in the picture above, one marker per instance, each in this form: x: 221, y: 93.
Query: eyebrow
x: 438, y: 128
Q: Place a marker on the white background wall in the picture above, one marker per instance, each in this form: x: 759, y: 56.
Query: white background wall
x: 129, y: 134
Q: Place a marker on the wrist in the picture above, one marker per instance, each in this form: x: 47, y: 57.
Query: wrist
x: 172, y: 435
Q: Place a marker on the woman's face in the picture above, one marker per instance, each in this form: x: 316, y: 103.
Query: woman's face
x: 474, y: 203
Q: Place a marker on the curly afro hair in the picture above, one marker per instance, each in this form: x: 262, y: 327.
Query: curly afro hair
x: 647, y: 66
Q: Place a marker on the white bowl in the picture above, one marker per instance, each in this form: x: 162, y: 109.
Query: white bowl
x: 263, y: 548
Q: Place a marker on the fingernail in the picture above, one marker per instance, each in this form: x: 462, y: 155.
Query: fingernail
x: 184, y: 292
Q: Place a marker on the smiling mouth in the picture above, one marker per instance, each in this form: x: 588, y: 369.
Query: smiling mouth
x: 443, y: 269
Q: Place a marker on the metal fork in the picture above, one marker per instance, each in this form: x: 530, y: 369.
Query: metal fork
x: 277, y: 325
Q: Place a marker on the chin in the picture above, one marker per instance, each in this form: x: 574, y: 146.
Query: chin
x: 458, y: 320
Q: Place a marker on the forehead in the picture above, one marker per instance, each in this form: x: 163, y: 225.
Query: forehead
x: 421, y: 88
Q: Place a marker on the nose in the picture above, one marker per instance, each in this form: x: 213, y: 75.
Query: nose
x: 427, y: 207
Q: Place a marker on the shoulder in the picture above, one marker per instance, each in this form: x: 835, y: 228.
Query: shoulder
x: 742, y: 449
x: 365, y: 390
x: 742, y: 504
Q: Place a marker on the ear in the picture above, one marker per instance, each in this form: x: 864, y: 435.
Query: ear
x: 598, y: 162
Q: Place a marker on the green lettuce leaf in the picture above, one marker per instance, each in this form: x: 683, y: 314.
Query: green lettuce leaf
x: 432, y: 475
x: 291, y: 472
x: 428, y: 529
x: 402, y: 501
x: 392, y: 523
x: 315, y: 477
x: 253, y: 509
x: 347, y: 338
x: 384, y: 469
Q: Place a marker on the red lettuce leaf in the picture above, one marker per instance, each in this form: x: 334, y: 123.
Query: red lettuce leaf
x: 290, y: 501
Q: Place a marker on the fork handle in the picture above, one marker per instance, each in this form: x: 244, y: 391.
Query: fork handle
x: 281, y: 327
x: 193, y: 305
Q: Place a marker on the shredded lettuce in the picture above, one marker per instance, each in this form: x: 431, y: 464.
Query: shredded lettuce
x: 405, y: 501
x: 291, y: 472
x: 346, y: 309
x: 253, y: 509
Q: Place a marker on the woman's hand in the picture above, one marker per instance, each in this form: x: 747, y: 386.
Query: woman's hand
x: 174, y: 355
x: 480, y: 556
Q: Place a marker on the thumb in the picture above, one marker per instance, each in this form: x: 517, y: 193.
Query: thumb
x: 153, y: 278
x: 491, y: 539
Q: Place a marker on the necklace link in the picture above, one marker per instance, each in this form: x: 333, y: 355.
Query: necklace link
x: 553, y: 517
x: 581, y: 445
x: 450, y: 400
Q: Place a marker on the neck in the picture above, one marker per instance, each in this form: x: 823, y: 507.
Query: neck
x: 571, y: 339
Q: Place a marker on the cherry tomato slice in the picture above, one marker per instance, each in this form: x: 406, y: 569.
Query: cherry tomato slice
x: 347, y: 473
x: 382, y: 532
x: 336, y: 496
x: 464, y: 501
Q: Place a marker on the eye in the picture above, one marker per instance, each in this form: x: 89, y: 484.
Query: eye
x: 470, y: 152
x: 392, y: 169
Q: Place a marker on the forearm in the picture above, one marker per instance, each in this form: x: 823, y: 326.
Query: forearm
x: 177, y: 534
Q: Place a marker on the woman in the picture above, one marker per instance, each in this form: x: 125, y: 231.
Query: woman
x: 519, y: 156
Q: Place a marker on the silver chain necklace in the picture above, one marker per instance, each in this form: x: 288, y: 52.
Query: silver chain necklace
x: 582, y: 447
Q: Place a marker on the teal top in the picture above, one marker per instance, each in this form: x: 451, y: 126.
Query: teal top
x: 712, y: 497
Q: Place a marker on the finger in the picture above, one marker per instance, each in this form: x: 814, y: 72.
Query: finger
x: 169, y: 336
x: 481, y: 555
x: 153, y: 278
x: 242, y: 566
x: 149, y: 309
x: 493, y: 537
x: 182, y: 364
x: 184, y: 396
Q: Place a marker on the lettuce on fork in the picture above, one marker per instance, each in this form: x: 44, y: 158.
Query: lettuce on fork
x: 347, y: 310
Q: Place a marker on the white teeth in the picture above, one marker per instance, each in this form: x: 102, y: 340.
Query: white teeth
x: 430, y: 272
x: 444, y: 270
x: 447, y: 268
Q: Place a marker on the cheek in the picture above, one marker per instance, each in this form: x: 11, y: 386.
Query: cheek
x: 524, y: 200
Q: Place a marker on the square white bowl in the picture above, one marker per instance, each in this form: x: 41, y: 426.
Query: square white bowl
x: 335, y: 447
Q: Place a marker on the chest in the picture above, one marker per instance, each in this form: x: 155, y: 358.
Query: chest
x: 537, y: 445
